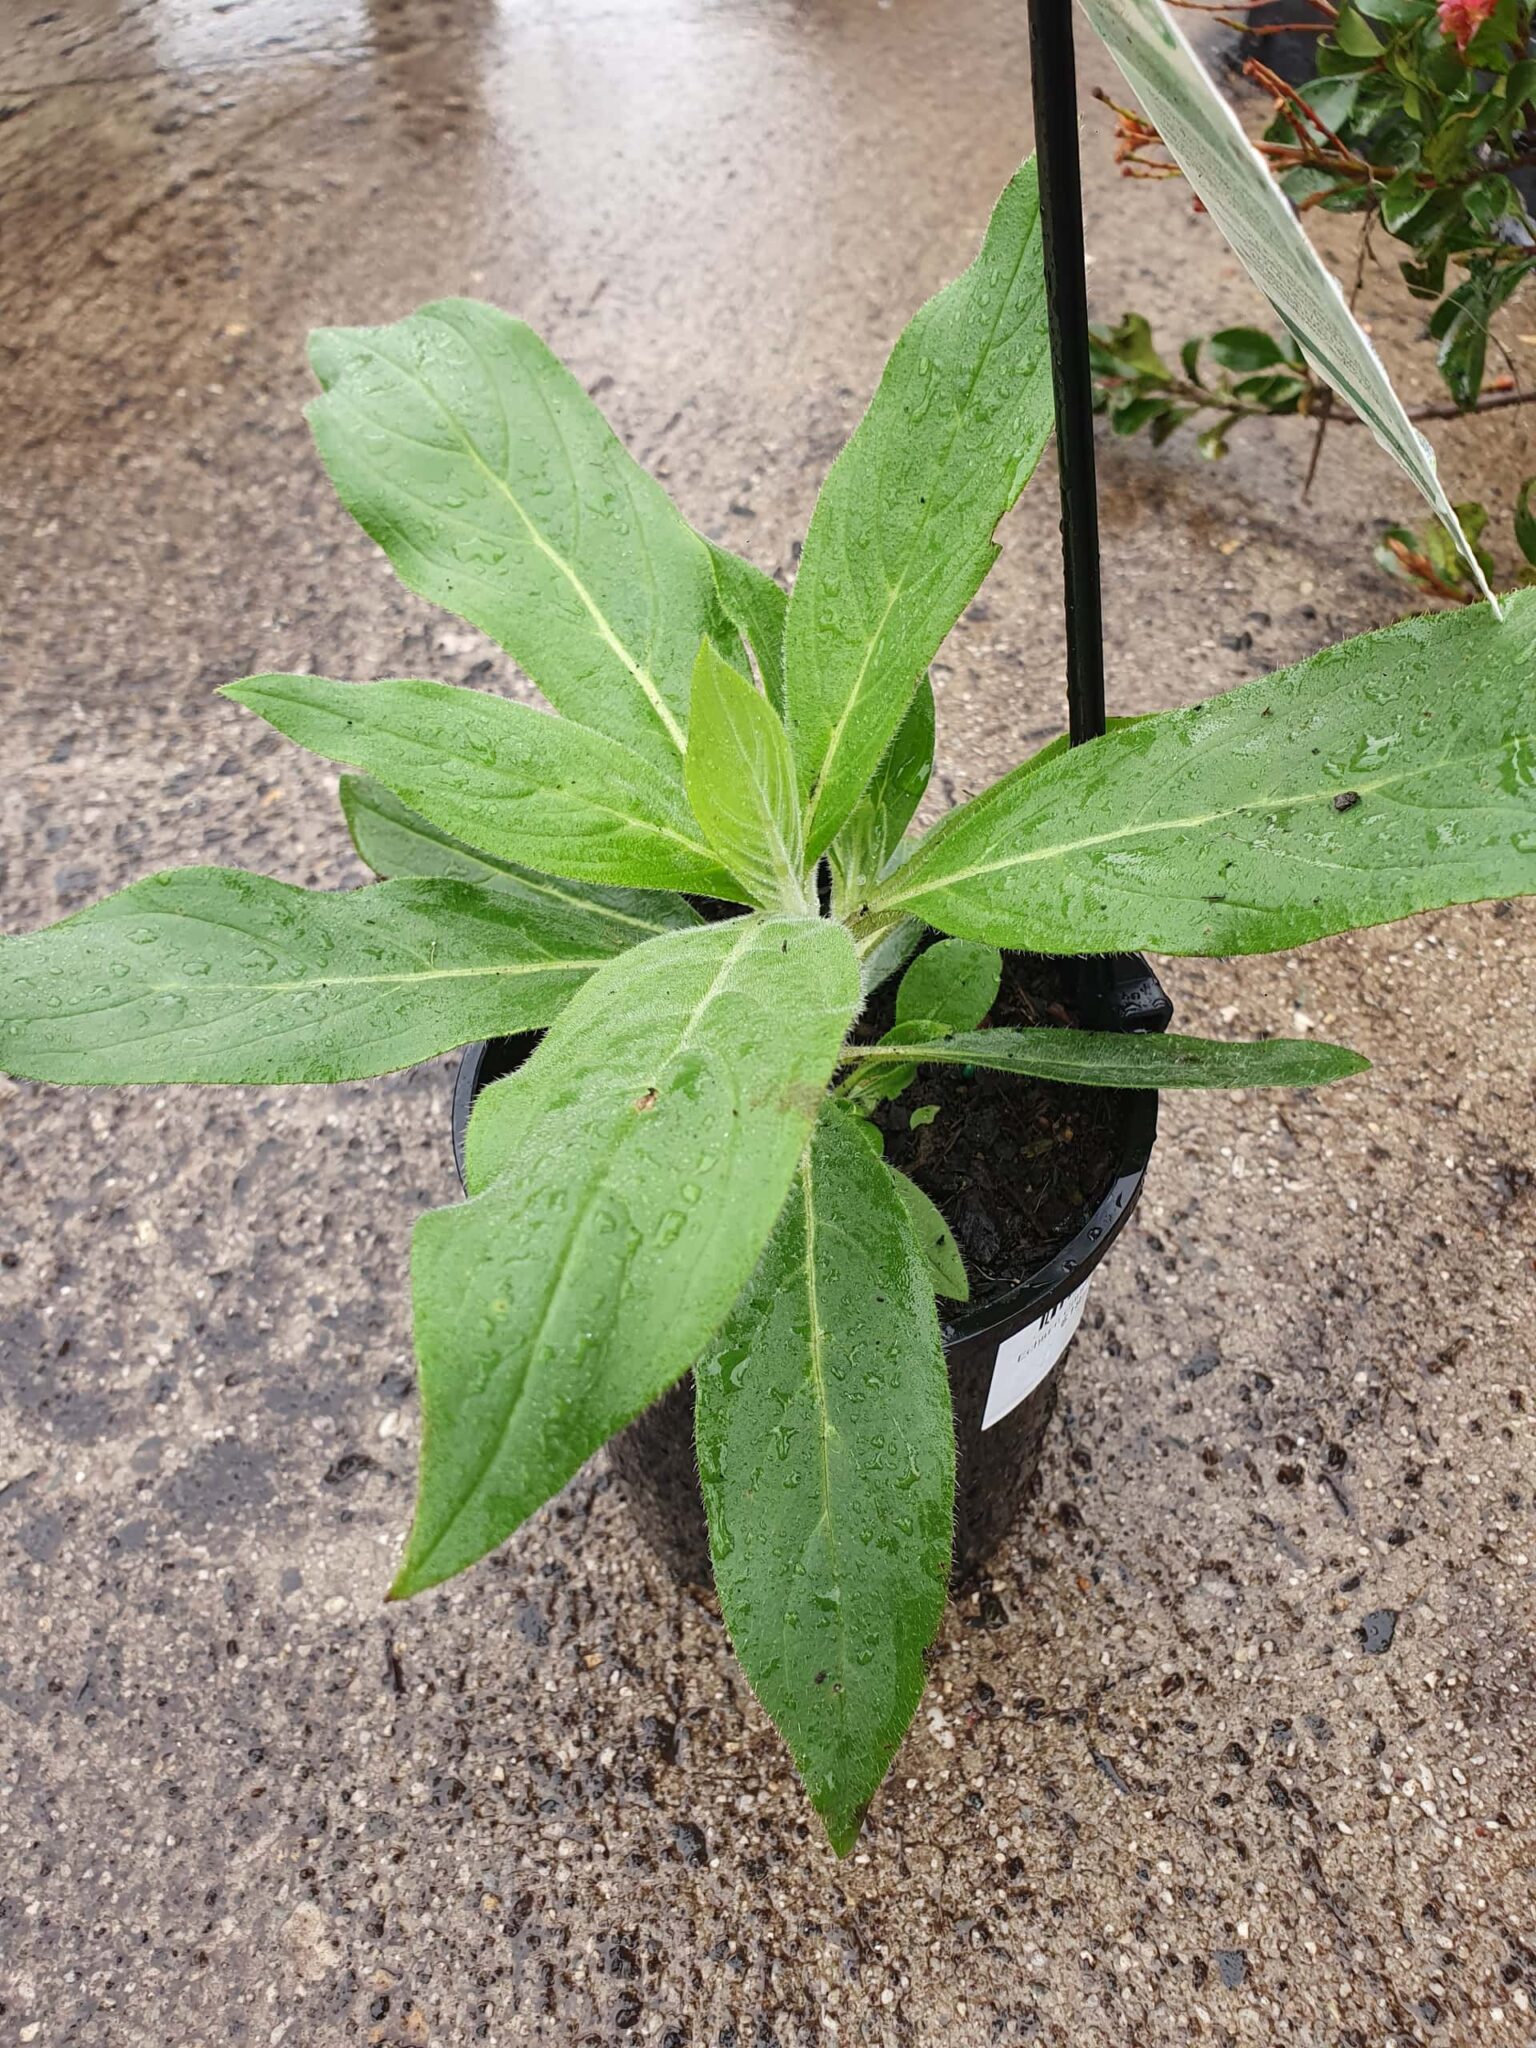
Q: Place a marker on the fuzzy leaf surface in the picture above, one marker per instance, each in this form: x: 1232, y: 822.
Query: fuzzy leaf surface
x: 902, y: 532
x: 478, y: 463
x: 755, y: 606
x: 1125, y: 1059
x: 826, y: 1455
x: 215, y: 975
x: 623, y: 1184
x: 934, y: 1239
x: 1391, y: 774
x: 741, y: 784
x: 953, y: 983
x: 515, y: 782
x: 393, y: 839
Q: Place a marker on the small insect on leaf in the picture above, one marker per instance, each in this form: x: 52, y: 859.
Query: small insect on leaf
x: 646, y: 1101
x: 1346, y: 799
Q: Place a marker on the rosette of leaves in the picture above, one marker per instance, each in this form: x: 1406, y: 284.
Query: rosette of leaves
x: 681, y: 1175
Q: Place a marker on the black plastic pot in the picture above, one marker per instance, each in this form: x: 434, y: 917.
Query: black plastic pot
x: 1004, y: 1359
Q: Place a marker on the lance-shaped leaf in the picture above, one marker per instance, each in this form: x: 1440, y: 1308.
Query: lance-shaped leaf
x: 1125, y: 1059
x: 395, y: 840
x: 953, y: 983
x: 872, y: 831
x: 523, y: 786
x: 826, y: 1454
x: 1392, y: 774
x: 625, y: 1181
x: 902, y: 532
x: 741, y: 784
x: 755, y: 606
x: 1240, y: 194
x: 934, y: 1239
x: 478, y: 463
x: 211, y: 974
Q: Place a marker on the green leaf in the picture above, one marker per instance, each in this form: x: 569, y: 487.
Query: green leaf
x: 1129, y: 414
x: 1281, y: 392
x: 741, y: 784
x: 952, y: 984
x: 1237, y: 189
x: 1245, y: 349
x: 755, y: 606
x: 872, y: 830
x: 478, y: 463
x: 1212, y: 441
x: 1168, y: 422
x: 1392, y: 774
x: 902, y: 532
x: 528, y: 788
x: 1525, y: 521
x: 1125, y: 1059
x: 1352, y: 35
x: 890, y: 951
x: 395, y: 840
x: 826, y: 1455
x: 211, y: 974
x: 934, y: 1238
x: 1131, y: 344
x: 883, y: 1081
x: 624, y: 1182
x: 1460, y: 324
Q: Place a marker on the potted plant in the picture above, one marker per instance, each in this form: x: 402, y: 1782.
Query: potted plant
x: 696, y: 1165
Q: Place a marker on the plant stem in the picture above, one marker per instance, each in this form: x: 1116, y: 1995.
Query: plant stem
x: 1234, y: 408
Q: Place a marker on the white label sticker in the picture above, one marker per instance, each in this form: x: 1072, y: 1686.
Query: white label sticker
x: 1024, y: 1360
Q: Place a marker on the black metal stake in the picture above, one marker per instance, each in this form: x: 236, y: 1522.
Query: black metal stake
x: 1054, y: 83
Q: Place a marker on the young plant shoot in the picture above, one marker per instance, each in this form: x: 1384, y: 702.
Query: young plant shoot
x: 684, y: 1174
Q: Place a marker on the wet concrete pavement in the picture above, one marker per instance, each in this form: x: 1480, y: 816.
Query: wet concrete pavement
x: 1233, y: 1747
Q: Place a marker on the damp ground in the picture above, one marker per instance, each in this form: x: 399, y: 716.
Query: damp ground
x: 1234, y: 1746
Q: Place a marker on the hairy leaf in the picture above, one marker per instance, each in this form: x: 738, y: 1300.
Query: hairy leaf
x: 1125, y: 1059
x: 395, y: 840
x: 510, y: 780
x: 755, y: 606
x: 478, y: 463
x: 741, y: 784
x: 624, y: 1182
x: 953, y: 983
x: 826, y: 1455
x: 872, y: 831
x: 1392, y: 774
x: 1237, y: 189
x: 933, y: 1236
x: 890, y: 951
x: 211, y: 974
x: 902, y: 532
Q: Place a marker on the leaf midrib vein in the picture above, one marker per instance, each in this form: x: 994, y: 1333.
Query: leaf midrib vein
x: 562, y: 1265
x: 856, y: 690
x: 1138, y: 829
x: 599, y: 619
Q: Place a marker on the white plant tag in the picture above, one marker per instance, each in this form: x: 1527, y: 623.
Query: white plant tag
x: 1240, y: 194
x: 1024, y: 1360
